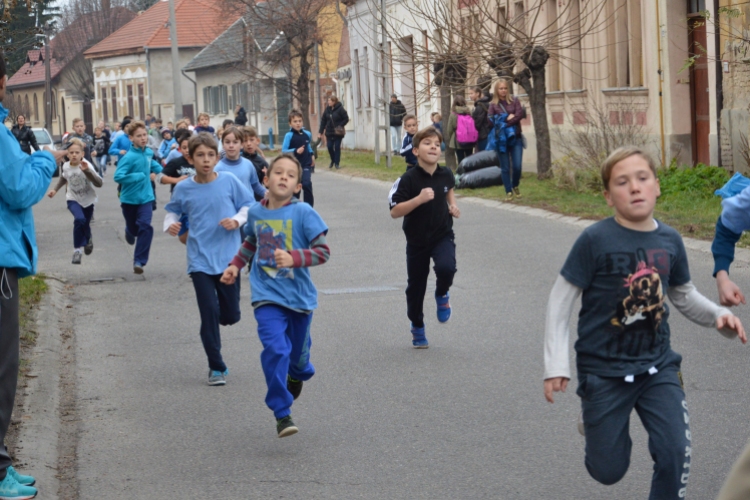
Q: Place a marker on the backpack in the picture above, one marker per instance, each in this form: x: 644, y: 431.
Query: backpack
x: 466, y: 133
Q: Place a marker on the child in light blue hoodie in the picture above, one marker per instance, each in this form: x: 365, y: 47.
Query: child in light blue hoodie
x: 166, y: 145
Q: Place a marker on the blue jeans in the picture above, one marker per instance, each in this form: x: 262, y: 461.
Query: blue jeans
x: 334, y: 148
x: 219, y: 304
x: 285, y: 335
x: 395, y: 138
x: 102, y: 163
x: 138, y: 224
x: 81, y: 223
x: 659, y: 400
x: 511, y: 164
x: 482, y: 144
x: 307, y: 185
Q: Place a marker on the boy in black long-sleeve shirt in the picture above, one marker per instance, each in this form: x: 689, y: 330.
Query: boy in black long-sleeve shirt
x: 298, y: 141
x: 424, y: 197
x: 407, y: 146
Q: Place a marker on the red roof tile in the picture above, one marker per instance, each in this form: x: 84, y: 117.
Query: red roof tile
x: 199, y: 22
x: 32, y: 72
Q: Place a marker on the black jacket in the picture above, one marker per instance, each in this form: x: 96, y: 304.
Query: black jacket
x: 332, y: 118
x: 397, y: 112
x: 481, y: 121
x: 241, y: 117
x: 25, y: 137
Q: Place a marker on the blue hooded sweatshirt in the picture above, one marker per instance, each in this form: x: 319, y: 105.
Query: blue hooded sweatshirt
x: 134, y: 174
x: 24, y: 180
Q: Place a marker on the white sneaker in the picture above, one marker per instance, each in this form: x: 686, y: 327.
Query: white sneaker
x: 581, y: 428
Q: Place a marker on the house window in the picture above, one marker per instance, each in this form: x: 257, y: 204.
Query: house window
x: 113, y: 96
x: 131, y: 112
x: 625, y: 51
x: 105, y: 111
x: 553, y: 64
x: 223, y: 99
x: 252, y: 91
x: 141, y: 101
x: 366, y: 78
x: 27, y: 107
x: 207, y: 100
x: 357, y: 80
x: 36, y: 109
x: 575, y: 66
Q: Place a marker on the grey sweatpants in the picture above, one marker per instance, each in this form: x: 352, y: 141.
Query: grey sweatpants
x: 659, y: 400
x: 9, y: 344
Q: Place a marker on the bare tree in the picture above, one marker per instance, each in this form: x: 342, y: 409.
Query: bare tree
x: 16, y: 106
x: 470, y: 41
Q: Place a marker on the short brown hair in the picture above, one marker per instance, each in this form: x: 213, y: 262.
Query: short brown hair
x: 202, y: 139
x: 333, y: 98
x: 250, y: 132
x: 77, y: 120
x: 295, y: 113
x: 132, y: 127
x: 425, y: 133
x: 620, y: 154
x: 201, y: 115
x: 239, y: 134
x: 290, y: 157
x: 410, y: 117
x: 180, y: 122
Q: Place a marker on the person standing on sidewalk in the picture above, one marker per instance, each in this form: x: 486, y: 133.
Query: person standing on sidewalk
x: 479, y: 114
x: 332, y: 124
x: 23, y: 183
x: 397, y: 111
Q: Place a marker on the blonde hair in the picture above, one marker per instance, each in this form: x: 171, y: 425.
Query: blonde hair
x: 620, y: 154
x: 495, y: 97
x: 75, y: 141
x: 76, y: 120
x: 179, y: 123
x: 201, y: 115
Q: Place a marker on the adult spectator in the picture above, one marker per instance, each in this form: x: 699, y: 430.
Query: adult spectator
x: 479, y: 114
x: 240, y: 116
x: 24, y: 179
x: 24, y: 135
x: 510, y: 163
x: 332, y: 123
x: 397, y: 111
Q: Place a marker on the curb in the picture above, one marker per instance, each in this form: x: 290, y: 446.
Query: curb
x: 740, y: 255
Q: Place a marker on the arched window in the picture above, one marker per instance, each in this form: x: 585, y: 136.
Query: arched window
x: 27, y: 108
x: 64, y: 121
x: 36, y: 109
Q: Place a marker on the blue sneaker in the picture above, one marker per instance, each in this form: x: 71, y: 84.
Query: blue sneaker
x: 216, y: 377
x: 443, y: 308
x: 129, y: 237
x: 24, y: 480
x: 10, y: 489
x: 418, y: 338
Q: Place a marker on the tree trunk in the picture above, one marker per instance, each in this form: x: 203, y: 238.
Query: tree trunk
x: 303, y: 90
x: 445, y: 112
x: 532, y: 81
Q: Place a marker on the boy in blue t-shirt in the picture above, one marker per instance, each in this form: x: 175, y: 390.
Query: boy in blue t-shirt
x: 298, y: 142
x: 216, y: 204
x: 624, y: 266
x: 284, y: 238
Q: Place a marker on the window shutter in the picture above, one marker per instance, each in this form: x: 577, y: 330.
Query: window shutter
x: 207, y: 100
x: 223, y: 99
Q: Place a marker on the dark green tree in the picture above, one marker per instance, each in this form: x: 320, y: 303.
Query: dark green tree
x: 20, y: 21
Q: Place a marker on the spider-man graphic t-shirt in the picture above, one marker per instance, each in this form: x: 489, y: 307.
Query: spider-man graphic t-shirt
x: 624, y: 274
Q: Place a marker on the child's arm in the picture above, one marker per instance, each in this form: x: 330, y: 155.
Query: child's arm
x: 309, y: 144
x: 255, y: 183
x: 404, y: 146
x: 406, y: 207
x: 90, y: 173
x: 172, y: 224
x: 698, y: 309
x: 285, y: 146
x: 317, y: 255
x: 60, y: 183
x: 556, y: 335
x: 237, y: 220
x: 452, y: 207
x: 124, y: 176
x: 242, y: 259
x: 722, y: 249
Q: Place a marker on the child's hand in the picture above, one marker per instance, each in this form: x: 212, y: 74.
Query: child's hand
x: 122, y: 152
x: 52, y: 193
x: 510, y: 117
x: 93, y: 153
x: 283, y: 258
x: 84, y: 166
x: 427, y: 194
x: 182, y: 178
x: 454, y: 211
x: 552, y: 385
x: 153, y: 176
x: 230, y: 275
x: 300, y: 150
x: 732, y: 322
x: 229, y: 224
x: 174, y: 229
x: 729, y: 293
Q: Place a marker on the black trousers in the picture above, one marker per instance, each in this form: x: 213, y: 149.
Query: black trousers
x: 334, y: 148
x: 443, y: 254
x: 9, y: 344
x: 219, y: 304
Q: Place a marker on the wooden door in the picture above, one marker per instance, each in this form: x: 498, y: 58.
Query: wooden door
x: 699, y: 92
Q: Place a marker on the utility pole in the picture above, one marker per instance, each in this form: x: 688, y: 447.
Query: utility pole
x: 176, y: 83
x: 386, y: 84
x: 48, y: 82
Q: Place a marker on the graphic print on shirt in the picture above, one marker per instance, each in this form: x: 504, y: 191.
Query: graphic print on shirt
x: 273, y: 234
x: 78, y: 183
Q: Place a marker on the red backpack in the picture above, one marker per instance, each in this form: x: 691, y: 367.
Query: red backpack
x: 466, y: 133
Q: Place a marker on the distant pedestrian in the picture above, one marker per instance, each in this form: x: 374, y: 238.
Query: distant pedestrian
x: 511, y: 164
x: 216, y: 205
x: 23, y: 183
x: 332, y: 125
x: 411, y: 125
x: 437, y: 122
x: 480, y: 116
x: 80, y: 177
x: 298, y: 142
x: 424, y: 196
x: 100, y: 151
x: 623, y: 267
x: 459, y: 129
x: 136, y: 172
x: 284, y: 238
x: 24, y: 135
x: 396, y: 112
x: 240, y: 116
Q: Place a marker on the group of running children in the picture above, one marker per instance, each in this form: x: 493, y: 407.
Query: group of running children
x: 621, y: 266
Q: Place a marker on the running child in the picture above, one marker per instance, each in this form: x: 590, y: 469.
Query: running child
x: 204, y: 124
x: 100, y: 150
x: 734, y: 220
x: 251, y: 150
x: 80, y: 177
x: 232, y: 139
x: 79, y: 132
x: 135, y: 172
x: 166, y: 145
x: 284, y: 238
x: 410, y: 124
x: 216, y: 204
x: 298, y: 142
x: 424, y: 197
x: 625, y: 266
x: 177, y: 171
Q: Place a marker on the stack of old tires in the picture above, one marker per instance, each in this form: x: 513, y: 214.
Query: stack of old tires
x: 479, y: 170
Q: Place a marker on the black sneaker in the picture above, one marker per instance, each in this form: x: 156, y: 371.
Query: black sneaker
x: 285, y: 427
x: 138, y: 268
x: 76, y: 257
x: 330, y: 167
x: 89, y: 247
x: 294, y: 386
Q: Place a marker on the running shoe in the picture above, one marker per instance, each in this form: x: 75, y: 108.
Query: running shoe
x: 294, y: 386
x: 76, y: 257
x: 24, y: 480
x: 89, y: 247
x: 285, y: 427
x: 443, y: 308
x: 216, y: 377
x: 418, y: 338
x: 11, y: 489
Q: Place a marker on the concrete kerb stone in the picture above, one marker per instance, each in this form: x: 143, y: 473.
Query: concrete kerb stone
x: 741, y: 254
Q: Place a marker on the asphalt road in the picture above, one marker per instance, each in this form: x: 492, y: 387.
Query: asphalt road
x: 464, y: 419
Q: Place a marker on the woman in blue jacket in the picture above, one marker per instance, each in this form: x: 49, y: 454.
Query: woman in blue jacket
x: 24, y: 180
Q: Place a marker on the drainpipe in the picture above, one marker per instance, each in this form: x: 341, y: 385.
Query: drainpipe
x: 661, y: 77
x: 719, y: 79
x: 148, y: 83
x: 195, y: 93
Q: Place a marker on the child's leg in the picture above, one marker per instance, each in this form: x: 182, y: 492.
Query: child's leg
x: 300, y: 367
x: 229, y: 301
x: 664, y: 414
x: 273, y: 323
x: 307, y: 188
x: 88, y: 213
x: 444, y: 256
x: 208, y: 304
x: 80, y: 224
x: 417, y: 271
x: 130, y: 213
x: 144, y: 233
